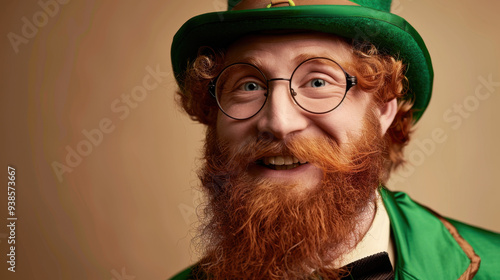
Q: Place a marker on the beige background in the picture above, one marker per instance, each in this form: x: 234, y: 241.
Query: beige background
x: 127, y: 208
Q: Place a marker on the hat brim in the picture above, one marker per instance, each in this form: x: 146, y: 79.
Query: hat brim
x: 390, y: 33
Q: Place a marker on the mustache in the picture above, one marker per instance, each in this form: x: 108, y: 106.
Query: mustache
x: 323, y: 152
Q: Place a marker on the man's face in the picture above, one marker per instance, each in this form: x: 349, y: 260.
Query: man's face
x: 281, y: 119
x: 286, y: 223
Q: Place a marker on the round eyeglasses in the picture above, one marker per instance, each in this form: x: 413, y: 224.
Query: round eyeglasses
x: 318, y: 85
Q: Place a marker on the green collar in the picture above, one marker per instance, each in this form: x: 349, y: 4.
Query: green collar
x: 425, y: 249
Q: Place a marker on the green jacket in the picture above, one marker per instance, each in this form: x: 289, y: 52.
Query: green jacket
x: 429, y: 246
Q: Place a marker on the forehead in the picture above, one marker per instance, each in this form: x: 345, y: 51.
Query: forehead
x: 287, y: 47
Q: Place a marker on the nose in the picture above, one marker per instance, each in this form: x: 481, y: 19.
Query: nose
x: 280, y: 117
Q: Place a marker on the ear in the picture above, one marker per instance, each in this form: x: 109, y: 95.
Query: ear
x: 386, y: 113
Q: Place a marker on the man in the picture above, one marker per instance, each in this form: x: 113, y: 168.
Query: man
x: 308, y: 105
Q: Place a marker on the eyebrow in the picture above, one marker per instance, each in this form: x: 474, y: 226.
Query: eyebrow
x: 305, y: 56
x: 296, y: 60
x: 252, y: 60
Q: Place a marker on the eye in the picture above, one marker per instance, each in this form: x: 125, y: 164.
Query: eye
x: 251, y: 86
x: 315, y: 83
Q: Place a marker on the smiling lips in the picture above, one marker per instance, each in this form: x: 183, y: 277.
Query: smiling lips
x: 281, y: 162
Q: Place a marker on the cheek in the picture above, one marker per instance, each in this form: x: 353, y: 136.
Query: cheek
x: 232, y: 131
x: 344, y: 122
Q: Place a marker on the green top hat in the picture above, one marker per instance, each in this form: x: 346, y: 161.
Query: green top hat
x: 363, y: 20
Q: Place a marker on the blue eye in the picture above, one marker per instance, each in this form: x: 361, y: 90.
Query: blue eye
x: 318, y: 83
x: 251, y: 86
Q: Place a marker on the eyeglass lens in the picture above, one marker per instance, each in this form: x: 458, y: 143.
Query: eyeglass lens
x: 317, y: 85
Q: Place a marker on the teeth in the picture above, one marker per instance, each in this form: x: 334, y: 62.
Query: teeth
x: 283, y: 161
x: 279, y: 160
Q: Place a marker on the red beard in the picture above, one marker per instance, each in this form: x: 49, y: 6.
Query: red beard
x: 260, y: 229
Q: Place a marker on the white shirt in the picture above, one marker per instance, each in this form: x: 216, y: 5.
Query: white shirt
x: 377, y: 239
